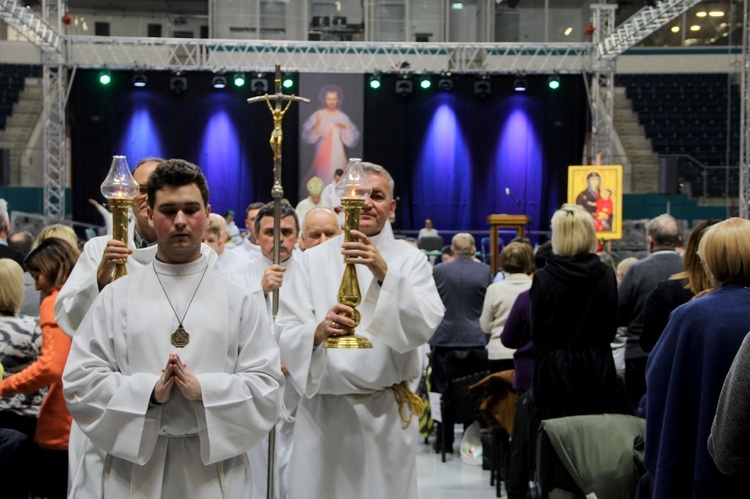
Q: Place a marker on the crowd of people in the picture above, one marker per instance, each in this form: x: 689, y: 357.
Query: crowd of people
x: 653, y: 338
x: 167, y: 382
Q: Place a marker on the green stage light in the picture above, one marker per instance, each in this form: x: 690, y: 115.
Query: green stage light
x: 425, y: 82
x: 375, y: 82
x: 287, y: 82
x: 239, y: 79
x: 553, y: 82
x: 105, y: 78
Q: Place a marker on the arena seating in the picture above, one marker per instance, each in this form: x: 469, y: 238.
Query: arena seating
x: 691, y: 114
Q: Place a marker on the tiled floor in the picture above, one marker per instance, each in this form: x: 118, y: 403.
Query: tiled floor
x: 452, y: 479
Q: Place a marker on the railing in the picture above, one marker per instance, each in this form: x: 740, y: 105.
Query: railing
x: 706, y: 173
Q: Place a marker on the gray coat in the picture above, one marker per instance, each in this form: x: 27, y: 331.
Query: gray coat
x: 462, y: 284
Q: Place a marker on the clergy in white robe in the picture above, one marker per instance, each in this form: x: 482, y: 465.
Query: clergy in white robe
x: 175, y: 412
x: 258, y: 455
x: 182, y: 448
x: 85, y: 460
x: 232, y: 263
x: 352, y: 437
x: 330, y: 199
x: 263, y: 278
x: 81, y: 288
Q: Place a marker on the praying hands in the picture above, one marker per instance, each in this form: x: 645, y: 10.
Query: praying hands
x: 176, y: 373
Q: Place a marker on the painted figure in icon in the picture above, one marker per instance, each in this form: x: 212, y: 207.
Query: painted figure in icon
x: 330, y: 129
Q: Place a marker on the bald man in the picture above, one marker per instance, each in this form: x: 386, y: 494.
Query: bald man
x: 318, y: 226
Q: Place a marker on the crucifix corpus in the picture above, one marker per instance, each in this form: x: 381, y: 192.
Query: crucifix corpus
x: 278, y: 109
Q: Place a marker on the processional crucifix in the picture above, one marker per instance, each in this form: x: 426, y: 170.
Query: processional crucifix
x: 277, y: 193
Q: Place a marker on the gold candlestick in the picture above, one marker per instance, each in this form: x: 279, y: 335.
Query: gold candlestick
x: 119, y: 208
x: 353, y: 189
x: 119, y: 188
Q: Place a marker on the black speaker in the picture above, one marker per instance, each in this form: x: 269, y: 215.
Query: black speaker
x: 4, y: 166
x: 669, y: 175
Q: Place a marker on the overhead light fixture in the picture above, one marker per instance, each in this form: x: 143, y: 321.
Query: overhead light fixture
x: 675, y: 29
x: 219, y: 82
x: 568, y: 31
x: 178, y: 84
x: 701, y: 14
x: 695, y: 27
x: 425, y: 82
x: 259, y: 84
x: 445, y: 83
x: 482, y: 86
x: 139, y: 80
x: 716, y: 13
x: 375, y: 81
x: 239, y: 79
x: 457, y: 5
x: 105, y: 77
x: 404, y: 86
x: 519, y: 85
x: 553, y: 82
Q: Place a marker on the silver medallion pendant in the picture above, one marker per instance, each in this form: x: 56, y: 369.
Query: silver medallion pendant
x: 180, y: 337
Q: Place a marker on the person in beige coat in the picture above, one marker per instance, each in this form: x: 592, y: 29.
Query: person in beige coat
x: 517, y: 262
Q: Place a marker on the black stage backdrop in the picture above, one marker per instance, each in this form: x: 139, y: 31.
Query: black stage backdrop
x: 452, y: 154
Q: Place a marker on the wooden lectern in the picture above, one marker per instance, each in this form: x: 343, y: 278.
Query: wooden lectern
x: 496, y: 222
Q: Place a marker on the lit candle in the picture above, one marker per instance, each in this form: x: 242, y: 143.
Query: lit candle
x: 119, y: 188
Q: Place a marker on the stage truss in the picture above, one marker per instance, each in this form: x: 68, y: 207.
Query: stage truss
x: 596, y: 59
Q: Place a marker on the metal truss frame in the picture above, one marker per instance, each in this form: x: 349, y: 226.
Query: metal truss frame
x: 54, y: 80
x: 31, y: 25
x: 744, y: 208
x: 55, y: 156
x: 61, y: 53
x: 640, y: 25
x: 178, y: 54
x: 602, y: 88
x: 44, y: 32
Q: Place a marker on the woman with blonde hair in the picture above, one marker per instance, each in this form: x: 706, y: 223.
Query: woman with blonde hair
x: 57, y: 230
x: 679, y: 289
x: 687, y: 367
x: 573, y: 312
x: 49, y: 264
x: 20, y: 341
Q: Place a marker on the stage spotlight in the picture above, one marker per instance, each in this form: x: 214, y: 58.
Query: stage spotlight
x: 259, y: 85
x: 445, y: 82
x: 375, y: 82
x: 425, y: 82
x: 404, y: 87
x: 219, y: 82
x: 519, y: 85
x: 553, y: 82
x: 139, y: 80
x: 287, y: 82
x: 178, y: 84
x: 105, y: 77
x: 483, y: 87
x: 239, y: 79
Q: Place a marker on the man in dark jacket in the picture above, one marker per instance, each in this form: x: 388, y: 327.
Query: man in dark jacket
x: 639, y: 281
x: 462, y: 284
